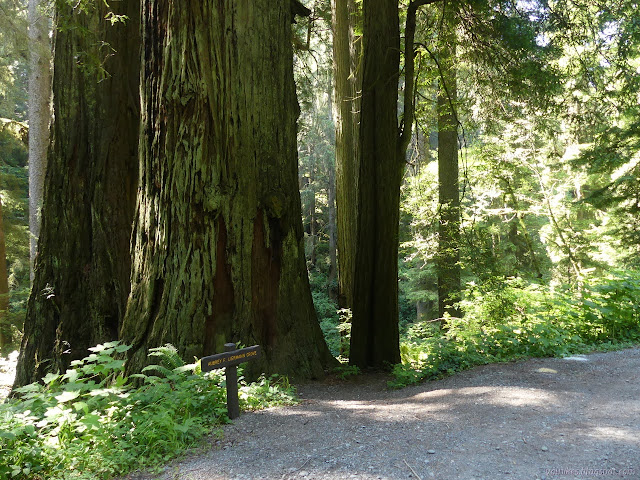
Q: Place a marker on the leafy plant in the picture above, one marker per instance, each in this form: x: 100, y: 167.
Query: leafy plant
x: 510, y: 319
x: 267, y: 392
x: 344, y: 328
x: 345, y: 371
x: 95, y: 422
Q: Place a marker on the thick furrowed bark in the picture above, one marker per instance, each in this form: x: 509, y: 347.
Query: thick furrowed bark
x: 218, y: 253
x: 82, y: 271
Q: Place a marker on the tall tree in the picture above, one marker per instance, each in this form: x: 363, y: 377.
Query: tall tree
x: 5, y: 336
x: 39, y: 115
x: 218, y: 241
x: 82, y: 272
x: 374, y: 331
x: 347, y: 90
x: 448, y: 260
x: 331, y: 200
x: 382, y: 150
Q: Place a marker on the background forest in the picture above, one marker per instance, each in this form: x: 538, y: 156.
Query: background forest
x: 14, y: 177
x: 548, y: 149
x: 548, y: 138
x: 469, y: 184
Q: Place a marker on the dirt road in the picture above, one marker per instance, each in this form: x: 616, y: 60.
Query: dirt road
x: 571, y: 418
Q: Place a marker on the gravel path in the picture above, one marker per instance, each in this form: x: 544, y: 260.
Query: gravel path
x: 571, y: 418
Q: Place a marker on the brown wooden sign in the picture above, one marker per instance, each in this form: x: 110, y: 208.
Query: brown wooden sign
x: 230, y: 359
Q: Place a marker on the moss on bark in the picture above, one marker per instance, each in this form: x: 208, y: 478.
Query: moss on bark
x: 217, y: 239
x: 82, y: 268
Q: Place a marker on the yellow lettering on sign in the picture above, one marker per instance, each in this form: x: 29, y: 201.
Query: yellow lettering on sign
x: 231, y: 358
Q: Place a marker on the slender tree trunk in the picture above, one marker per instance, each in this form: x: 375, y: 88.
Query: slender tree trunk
x: 331, y: 198
x: 5, y: 332
x: 347, y: 90
x: 331, y: 208
x: 374, y: 330
x: 519, y: 221
x: 313, y: 223
x: 82, y: 272
x: 448, y: 263
x: 39, y: 115
x: 218, y: 240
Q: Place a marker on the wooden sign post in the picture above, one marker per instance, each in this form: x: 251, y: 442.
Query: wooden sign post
x: 230, y: 359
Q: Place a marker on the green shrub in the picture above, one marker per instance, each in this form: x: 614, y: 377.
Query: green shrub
x: 331, y: 335
x: 509, y: 319
x: 326, y: 309
x: 266, y: 392
x: 94, y: 422
x: 345, y: 371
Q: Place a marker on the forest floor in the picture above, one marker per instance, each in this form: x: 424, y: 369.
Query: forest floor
x: 567, y: 418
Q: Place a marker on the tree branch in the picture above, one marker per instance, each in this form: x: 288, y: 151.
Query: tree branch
x: 444, y: 84
x: 409, y: 81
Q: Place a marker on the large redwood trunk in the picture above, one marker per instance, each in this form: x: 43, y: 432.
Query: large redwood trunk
x: 218, y: 244
x: 82, y: 269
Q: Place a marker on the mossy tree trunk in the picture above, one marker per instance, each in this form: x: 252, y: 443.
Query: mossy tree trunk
x: 347, y: 90
x: 82, y: 269
x: 218, y: 253
x: 331, y: 210
x: 39, y: 116
x: 332, y: 231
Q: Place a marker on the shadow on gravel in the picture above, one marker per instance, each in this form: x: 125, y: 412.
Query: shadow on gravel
x: 571, y: 418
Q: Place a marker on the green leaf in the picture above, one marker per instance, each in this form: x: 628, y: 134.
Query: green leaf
x: 185, y: 368
x: 91, y: 420
x: 32, y: 387
x: 97, y: 348
x: 115, y: 364
x: 122, y: 348
x: 71, y: 375
x: 78, y: 406
x: 7, y: 435
x: 49, y: 378
x: 67, y: 396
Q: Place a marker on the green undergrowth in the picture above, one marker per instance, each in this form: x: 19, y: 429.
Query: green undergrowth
x: 508, y: 320
x: 93, y: 422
